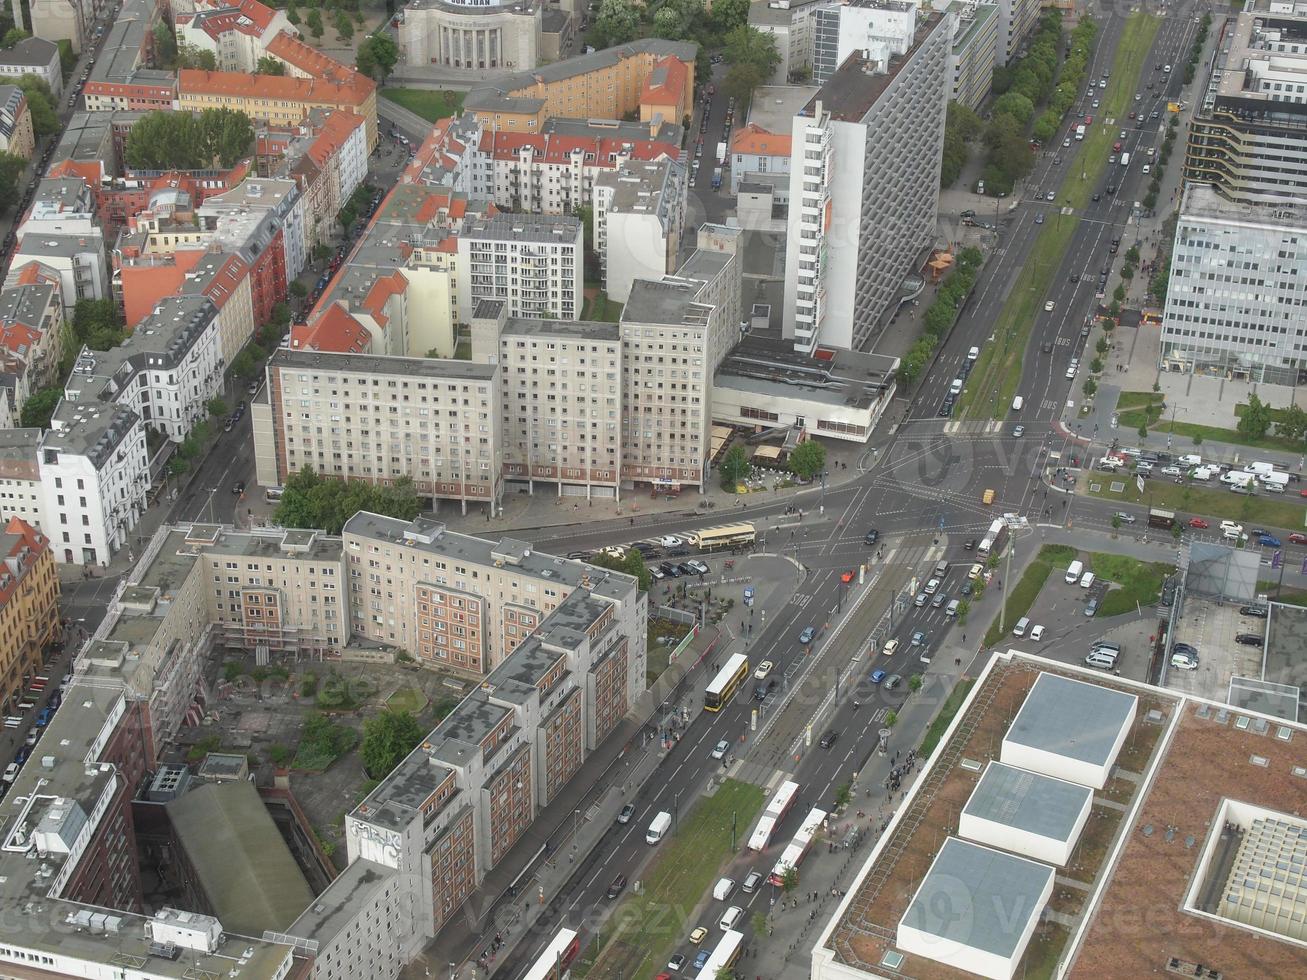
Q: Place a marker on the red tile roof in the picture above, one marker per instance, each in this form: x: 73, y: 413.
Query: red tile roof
x: 670, y: 88
x: 335, y: 331
x: 312, y: 62
x: 756, y: 141
x: 556, y: 148
x: 277, y: 88
x: 27, y: 537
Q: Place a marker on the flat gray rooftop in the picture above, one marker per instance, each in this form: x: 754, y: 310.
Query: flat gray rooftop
x: 1028, y: 801
x: 571, y: 329
x: 338, y: 906
x: 773, y: 107
x: 663, y: 302
x: 772, y: 367
x: 1286, y: 639
x: 1072, y: 718
x: 418, y: 367
x: 978, y: 897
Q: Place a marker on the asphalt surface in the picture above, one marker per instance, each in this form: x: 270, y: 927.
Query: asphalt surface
x: 922, y: 490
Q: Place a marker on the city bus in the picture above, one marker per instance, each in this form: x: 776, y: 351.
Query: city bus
x: 556, y: 958
x: 725, y: 955
x: 777, y: 808
x: 728, y: 679
x: 723, y: 536
x: 798, y: 848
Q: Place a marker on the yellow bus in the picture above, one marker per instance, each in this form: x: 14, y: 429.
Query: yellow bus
x: 726, y: 683
x: 723, y: 536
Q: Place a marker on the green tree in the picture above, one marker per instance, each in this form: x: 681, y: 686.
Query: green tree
x: 377, y: 56
x: 311, y: 500
x: 1256, y: 418
x: 1143, y: 431
x: 12, y: 37
x: 314, y: 22
x: 735, y: 466
x: 1015, y: 105
x: 616, y: 23
x: 165, y: 45
x: 217, y: 407
x: 1089, y: 387
x: 748, y: 45
x: 808, y: 459
x: 387, y: 739
x: 12, y: 168
x: 631, y: 562
x: 268, y: 65
x: 39, y: 407
x: 297, y: 289
x: 789, y: 879
x: 1292, y: 423
x: 728, y: 15
x: 293, y: 13
x: 344, y: 26
x: 41, y: 103
x: 1116, y: 522
x: 186, y: 141
x: 190, y: 56
x: 96, y: 324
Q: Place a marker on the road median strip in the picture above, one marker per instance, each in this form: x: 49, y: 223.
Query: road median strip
x: 997, y: 373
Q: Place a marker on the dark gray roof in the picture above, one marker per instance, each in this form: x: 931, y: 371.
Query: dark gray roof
x: 418, y: 367
x: 978, y: 897
x: 93, y: 430
x: 572, y: 329
x: 1028, y: 801
x: 562, y: 229
x: 666, y: 302
x: 35, y: 52
x: 1072, y: 718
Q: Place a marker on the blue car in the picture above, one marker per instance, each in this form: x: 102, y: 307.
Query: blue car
x: 807, y: 635
x: 700, y: 958
x: 877, y: 676
x: 1268, y: 541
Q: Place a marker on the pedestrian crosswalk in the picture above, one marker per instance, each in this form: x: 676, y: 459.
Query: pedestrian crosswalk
x: 960, y: 428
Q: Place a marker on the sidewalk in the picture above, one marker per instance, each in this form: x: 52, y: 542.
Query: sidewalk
x: 563, y: 839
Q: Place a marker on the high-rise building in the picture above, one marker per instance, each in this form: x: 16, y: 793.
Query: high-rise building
x: 1248, y: 136
x: 536, y: 263
x: 638, y: 212
x: 1237, y: 291
x: 864, y: 183
x: 1016, y: 19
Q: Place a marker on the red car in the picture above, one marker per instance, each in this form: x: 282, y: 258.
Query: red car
x: 1199, y: 523
x: 1297, y: 537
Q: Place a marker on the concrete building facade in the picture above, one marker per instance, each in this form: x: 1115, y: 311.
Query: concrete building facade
x: 639, y: 210
x: 1235, y: 298
x: 864, y: 187
x: 29, y: 608
x: 478, y: 36
x: 535, y: 263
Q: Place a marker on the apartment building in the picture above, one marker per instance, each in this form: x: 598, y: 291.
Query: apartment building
x: 16, y: 136
x: 20, y: 476
x: 366, y: 417
x: 1016, y: 19
x: 864, y: 184
x: 35, y: 56
x: 638, y: 213
x: 31, y: 332
x: 555, y: 172
x: 280, y: 100
x: 29, y: 607
x: 94, y: 476
x: 56, y: 20
x: 975, y: 50
x: 1235, y: 298
x: 236, y: 34
x: 560, y: 398
x: 265, y: 221
x: 757, y: 153
x: 62, y: 233
x: 884, y: 27
x: 1248, y: 135
x: 675, y: 332
x: 120, y: 78
x: 605, y: 84
x: 792, y: 23
x: 536, y: 263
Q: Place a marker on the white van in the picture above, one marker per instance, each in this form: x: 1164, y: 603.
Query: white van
x: 1190, y: 460
x: 722, y: 890
x: 1022, y: 625
x: 658, y: 827
x: 1203, y: 473
x: 1073, y: 572
x: 731, y: 916
x: 973, y: 353
x: 1017, y: 403
x: 1087, y: 581
x: 951, y: 610
x: 1102, y: 659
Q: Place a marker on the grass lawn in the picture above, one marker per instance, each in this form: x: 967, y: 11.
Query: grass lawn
x: 659, y: 654
x: 408, y: 699
x: 646, y: 928
x: 429, y: 104
x: 1138, y: 581
x: 945, y: 716
x: 1289, y: 596
x: 600, y: 307
x: 997, y: 373
x: 1278, y: 510
x: 1021, y: 597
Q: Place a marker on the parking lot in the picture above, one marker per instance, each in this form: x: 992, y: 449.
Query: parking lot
x: 1210, y: 627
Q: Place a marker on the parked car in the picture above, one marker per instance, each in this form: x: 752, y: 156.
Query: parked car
x: 1199, y: 523
x: 1249, y: 639
x: 1257, y: 612
x: 1268, y: 541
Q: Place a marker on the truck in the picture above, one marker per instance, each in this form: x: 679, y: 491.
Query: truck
x: 1274, y: 482
x: 1125, y: 160
x: 658, y: 827
x: 1164, y: 519
x: 1074, y: 571
x: 1238, y: 478
x: 1080, y: 131
x: 716, y: 178
x: 1260, y: 468
x: 994, y: 540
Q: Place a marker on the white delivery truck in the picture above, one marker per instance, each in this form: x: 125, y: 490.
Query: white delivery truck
x: 1260, y: 468
x: 1203, y: 473
x: 1125, y: 160
x: 1238, y: 478
x: 722, y: 890
x: 1080, y: 131
x: 1274, y: 482
x: 658, y: 828
x: 1073, y: 572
